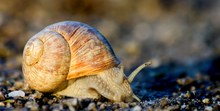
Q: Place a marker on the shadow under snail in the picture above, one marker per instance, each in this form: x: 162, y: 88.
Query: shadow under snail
x: 73, y: 59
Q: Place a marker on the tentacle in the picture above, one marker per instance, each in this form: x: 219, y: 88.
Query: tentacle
x: 137, y: 70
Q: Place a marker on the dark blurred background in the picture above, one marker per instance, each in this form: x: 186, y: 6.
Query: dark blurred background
x: 184, y: 31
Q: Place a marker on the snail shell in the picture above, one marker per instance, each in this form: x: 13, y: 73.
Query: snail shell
x: 73, y: 59
x: 64, y: 51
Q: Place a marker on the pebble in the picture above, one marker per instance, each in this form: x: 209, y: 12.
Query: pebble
x: 172, y: 108
x: 18, y: 85
x: 8, y: 105
x: 183, y: 106
x: 2, y: 104
x: 137, y: 108
x: 34, y: 108
x: 163, y: 102
x: 91, y: 107
x: 71, y: 108
x: 123, y: 105
x: 133, y: 103
x: 99, y: 103
x: 74, y: 102
x: 45, y: 107
x: 18, y: 93
x: 37, y: 95
x: 32, y: 105
x: 102, y: 106
x: 26, y: 87
x: 2, y: 97
x: 208, y: 108
x: 206, y: 101
x: 188, y: 95
x: 193, y: 88
x: 184, y: 81
x: 57, y: 107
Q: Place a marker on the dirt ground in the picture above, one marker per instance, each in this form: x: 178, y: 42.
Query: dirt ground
x: 168, y: 87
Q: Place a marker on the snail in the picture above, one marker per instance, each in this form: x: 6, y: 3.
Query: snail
x: 74, y: 59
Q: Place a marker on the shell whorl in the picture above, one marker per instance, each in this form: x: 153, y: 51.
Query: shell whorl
x: 46, y: 60
x: 63, y: 51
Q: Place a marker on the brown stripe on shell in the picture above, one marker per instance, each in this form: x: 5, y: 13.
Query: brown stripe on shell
x: 89, y: 56
x: 90, y: 51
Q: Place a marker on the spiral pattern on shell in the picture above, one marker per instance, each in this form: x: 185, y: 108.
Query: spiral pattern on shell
x: 63, y: 51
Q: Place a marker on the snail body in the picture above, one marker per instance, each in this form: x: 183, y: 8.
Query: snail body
x: 73, y: 59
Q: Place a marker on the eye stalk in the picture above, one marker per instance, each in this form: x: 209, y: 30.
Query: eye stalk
x: 137, y: 70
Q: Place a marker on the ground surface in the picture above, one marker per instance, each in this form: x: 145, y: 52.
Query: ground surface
x: 168, y: 87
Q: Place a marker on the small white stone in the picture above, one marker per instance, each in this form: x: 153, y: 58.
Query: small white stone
x: 208, y: 108
x: 16, y: 93
x: 183, y: 106
x: 92, y: 106
x: 74, y: 102
x: 206, y: 100
x: 136, y: 108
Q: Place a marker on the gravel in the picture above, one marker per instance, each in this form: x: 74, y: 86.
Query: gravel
x: 16, y: 94
x: 159, y: 89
